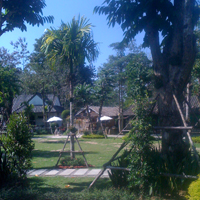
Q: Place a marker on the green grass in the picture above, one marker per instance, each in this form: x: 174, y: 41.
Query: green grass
x: 53, y: 184
x: 97, y: 151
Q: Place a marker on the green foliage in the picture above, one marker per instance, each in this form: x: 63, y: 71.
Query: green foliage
x: 196, y: 139
x: 139, y: 75
x: 73, y: 129
x: 18, y: 145
x: 159, y: 14
x: 85, y: 133
x: 119, y: 178
x: 65, y: 114
x: 194, y: 190
x: 18, y: 14
x: 70, y: 46
x: 143, y: 171
x: 9, y: 87
x: 62, y: 194
x: 100, y: 132
x: 5, y: 172
x: 68, y: 161
x: 41, y: 132
x: 93, y: 136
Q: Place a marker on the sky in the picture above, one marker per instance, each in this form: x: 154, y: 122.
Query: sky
x: 65, y: 10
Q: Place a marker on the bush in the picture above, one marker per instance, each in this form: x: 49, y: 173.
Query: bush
x: 194, y: 190
x: 5, y: 173
x: 18, y: 145
x: 93, y: 136
x: 99, y: 132
x: 41, y: 132
x: 119, y: 178
x: 68, y: 161
x: 65, y: 114
x: 86, y: 133
x: 73, y: 129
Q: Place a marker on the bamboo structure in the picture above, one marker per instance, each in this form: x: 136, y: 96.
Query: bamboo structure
x: 185, y: 127
x: 70, y: 151
x: 105, y: 166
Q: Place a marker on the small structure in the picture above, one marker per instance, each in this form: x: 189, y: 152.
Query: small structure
x: 51, y: 102
x: 82, y: 121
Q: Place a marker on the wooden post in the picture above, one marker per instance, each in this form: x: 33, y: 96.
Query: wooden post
x: 81, y: 152
x: 72, y: 145
x: 62, y: 150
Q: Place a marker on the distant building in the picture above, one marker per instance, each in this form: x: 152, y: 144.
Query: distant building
x: 82, y: 121
x: 52, y: 102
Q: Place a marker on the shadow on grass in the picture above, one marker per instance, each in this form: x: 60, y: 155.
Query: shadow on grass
x: 42, y: 186
x: 49, y: 154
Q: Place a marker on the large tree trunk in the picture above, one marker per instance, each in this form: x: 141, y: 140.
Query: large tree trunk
x: 172, y: 69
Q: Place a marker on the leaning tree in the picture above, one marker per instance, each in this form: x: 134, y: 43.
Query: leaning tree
x: 169, y: 33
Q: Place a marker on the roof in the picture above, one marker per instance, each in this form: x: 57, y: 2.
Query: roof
x: 19, y: 107
x: 106, y: 111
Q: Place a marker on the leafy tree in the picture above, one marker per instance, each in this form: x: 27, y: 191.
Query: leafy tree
x: 173, y: 54
x: 103, y: 87
x: 7, y: 59
x: 15, y: 14
x: 139, y: 76
x: 9, y: 87
x: 70, y: 45
x: 20, y: 51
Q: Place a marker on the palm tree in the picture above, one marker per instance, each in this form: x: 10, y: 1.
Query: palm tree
x: 70, y: 46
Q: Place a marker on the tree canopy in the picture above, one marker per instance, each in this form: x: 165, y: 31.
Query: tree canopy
x: 15, y: 14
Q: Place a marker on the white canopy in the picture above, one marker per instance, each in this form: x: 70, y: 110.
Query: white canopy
x: 105, y: 118
x: 54, y: 119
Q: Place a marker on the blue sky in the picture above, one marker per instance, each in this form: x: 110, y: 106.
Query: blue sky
x: 65, y: 10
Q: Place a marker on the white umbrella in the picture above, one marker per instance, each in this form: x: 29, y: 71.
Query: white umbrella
x: 54, y: 119
x: 105, y: 118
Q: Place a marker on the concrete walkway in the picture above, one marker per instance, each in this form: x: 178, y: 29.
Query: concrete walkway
x: 84, y: 172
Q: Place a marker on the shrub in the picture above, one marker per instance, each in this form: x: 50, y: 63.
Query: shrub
x: 194, y: 190
x: 73, y: 129
x: 65, y: 114
x: 68, y: 161
x: 93, y: 136
x: 119, y: 178
x: 99, y: 132
x: 18, y: 145
x: 5, y: 173
x: 86, y: 133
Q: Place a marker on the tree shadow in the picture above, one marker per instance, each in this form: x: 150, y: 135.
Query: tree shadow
x: 48, y: 154
x: 39, y: 184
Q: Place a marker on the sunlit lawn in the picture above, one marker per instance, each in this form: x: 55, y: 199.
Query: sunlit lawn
x: 97, y: 151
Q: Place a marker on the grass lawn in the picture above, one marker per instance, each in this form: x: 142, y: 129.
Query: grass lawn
x: 53, y: 184
x: 97, y: 151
